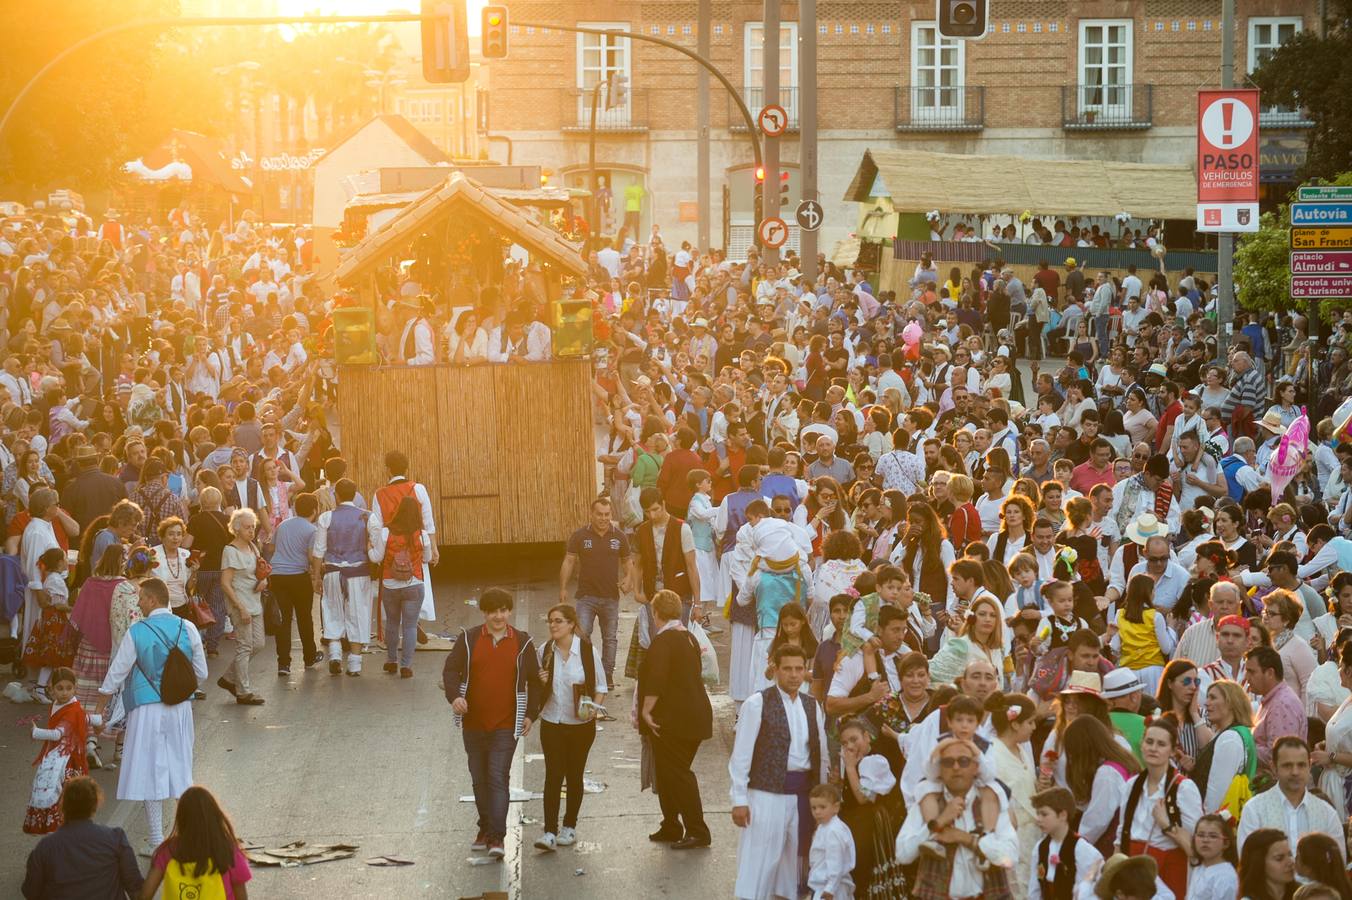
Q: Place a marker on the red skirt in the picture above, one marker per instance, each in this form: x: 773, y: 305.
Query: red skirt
x: 1173, y: 865
x: 52, y: 641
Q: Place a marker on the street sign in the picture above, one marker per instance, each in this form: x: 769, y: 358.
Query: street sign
x: 1312, y: 287
x: 1227, y: 160
x: 809, y: 215
x: 1321, y: 213
x: 1325, y: 192
x: 1321, y: 238
x: 773, y: 232
x: 772, y: 120
x: 1317, y: 262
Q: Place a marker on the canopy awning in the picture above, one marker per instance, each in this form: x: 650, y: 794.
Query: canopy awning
x: 918, y: 181
x: 473, y: 204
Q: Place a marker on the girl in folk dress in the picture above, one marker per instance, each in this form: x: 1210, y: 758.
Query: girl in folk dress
x: 49, y: 644
x: 62, y: 757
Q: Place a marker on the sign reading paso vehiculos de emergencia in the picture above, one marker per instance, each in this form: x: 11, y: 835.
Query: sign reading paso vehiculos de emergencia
x: 1227, y: 160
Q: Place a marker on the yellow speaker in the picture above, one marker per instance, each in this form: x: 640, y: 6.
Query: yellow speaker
x: 354, y: 336
x: 572, y: 328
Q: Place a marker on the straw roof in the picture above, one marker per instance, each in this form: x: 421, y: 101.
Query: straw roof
x: 919, y: 181
x: 467, y: 200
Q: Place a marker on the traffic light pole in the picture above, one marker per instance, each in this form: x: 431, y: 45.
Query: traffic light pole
x: 807, y: 130
x: 770, y: 86
x: 594, y: 226
x: 1225, y: 244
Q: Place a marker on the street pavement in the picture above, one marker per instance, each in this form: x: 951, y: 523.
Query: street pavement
x: 376, y: 761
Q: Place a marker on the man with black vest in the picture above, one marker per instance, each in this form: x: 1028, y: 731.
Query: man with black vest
x: 672, y: 567
x: 778, y: 756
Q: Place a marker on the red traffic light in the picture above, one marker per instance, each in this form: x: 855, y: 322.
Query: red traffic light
x: 784, y: 176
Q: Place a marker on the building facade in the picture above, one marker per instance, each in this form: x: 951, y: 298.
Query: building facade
x: 1055, y: 79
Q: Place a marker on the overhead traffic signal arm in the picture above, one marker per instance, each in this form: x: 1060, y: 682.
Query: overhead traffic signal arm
x: 445, y: 41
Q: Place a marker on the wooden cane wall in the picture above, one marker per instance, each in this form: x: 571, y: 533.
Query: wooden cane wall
x: 506, y: 451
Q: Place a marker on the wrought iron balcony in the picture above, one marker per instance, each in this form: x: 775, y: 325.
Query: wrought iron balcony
x: 1106, y: 107
x: 630, y: 117
x: 940, y: 108
x: 1281, y: 117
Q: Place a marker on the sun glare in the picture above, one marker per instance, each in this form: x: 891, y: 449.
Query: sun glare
x: 371, y: 7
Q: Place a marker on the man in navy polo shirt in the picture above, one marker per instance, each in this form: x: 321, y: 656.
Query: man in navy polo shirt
x: 599, y: 554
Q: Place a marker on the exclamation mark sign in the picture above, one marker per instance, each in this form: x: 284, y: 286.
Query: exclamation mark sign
x: 1227, y: 120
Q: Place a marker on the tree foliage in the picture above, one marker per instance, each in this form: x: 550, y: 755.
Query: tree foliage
x: 1263, y: 264
x: 1315, y: 74
x: 81, y: 120
x: 116, y: 99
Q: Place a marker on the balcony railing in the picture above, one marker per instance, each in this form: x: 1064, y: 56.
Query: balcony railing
x: 754, y: 97
x: 627, y: 118
x: 1106, y: 107
x: 955, y: 108
x: 1280, y: 117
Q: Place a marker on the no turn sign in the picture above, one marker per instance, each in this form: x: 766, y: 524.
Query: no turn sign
x: 773, y: 233
x: 773, y: 120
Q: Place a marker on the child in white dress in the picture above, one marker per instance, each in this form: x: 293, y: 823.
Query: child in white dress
x: 1213, y: 875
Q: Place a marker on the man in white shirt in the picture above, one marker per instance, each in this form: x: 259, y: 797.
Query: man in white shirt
x: 779, y: 753
x: 1131, y: 284
x: 12, y: 379
x: 1290, y: 807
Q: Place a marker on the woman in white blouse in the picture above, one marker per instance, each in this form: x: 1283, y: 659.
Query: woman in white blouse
x: 466, y: 342
x: 1334, y: 754
x: 571, y: 671
x: 1144, y: 823
x: 1014, y: 717
x: 1231, y: 753
x: 173, y: 563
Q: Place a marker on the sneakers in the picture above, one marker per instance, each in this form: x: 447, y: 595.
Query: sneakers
x: 313, y: 660
x: 391, y: 667
x: 567, y: 837
x: 92, y: 756
x: 40, y: 695
x: 405, y: 673
x: 495, y: 850
x: 546, y: 842
x: 480, y: 842
x: 283, y: 671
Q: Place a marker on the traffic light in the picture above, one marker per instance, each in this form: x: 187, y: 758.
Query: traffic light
x: 783, y: 189
x: 495, y: 32
x: 445, y: 41
x: 759, y: 197
x: 962, y: 18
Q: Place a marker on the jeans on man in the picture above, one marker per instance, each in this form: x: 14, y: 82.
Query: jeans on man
x: 295, y: 593
x: 607, y: 609
x: 402, y: 606
x: 490, y: 762
x: 1102, y: 325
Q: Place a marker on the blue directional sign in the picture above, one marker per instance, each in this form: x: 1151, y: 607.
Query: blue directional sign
x: 1321, y: 214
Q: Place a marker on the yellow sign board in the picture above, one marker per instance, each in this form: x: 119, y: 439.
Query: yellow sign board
x: 1339, y: 238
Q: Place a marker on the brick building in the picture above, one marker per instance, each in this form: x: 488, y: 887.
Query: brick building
x: 1052, y: 78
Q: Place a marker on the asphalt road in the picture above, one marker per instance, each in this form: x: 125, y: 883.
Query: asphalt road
x: 377, y: 762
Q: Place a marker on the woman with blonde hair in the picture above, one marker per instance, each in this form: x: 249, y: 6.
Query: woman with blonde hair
x: 1226, y: 765
x: 243, y: 581
x: 964, y: 525
x: 984, y: 629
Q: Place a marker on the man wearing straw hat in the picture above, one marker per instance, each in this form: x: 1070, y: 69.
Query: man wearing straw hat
x: 417, y: 343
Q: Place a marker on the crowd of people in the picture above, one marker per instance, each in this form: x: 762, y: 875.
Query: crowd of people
x: 992, y: 633
x: 989, y: 635
x: 172, y: 491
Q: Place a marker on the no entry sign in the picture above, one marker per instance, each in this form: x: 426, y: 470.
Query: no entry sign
x: 1227, y: 160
